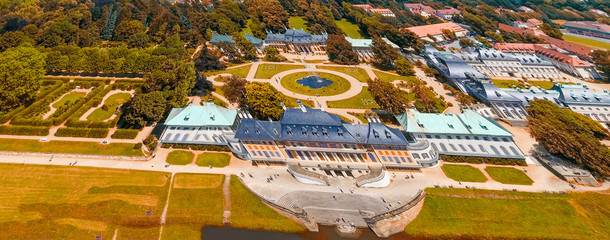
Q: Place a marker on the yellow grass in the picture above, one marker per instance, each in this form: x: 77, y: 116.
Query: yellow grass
x: 197, y: 181
x: 83, y: 224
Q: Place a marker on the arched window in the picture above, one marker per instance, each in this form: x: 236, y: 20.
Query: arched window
x: 185, y: 137
x: 493, y: 148
x: 514, y: 150
x: 443, y: 147
x: 168, y: 136
x: 177, y: 137
x: 504, y: 150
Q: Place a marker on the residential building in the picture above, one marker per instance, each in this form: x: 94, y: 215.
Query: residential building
x: 420, y: 9
x: 494, y: 63
x: 525, y: 9
x: 520, y: 24
x: 383, y: 11
x: 448, y: 13
x: 363, y: 47
x: 588, y: 28
x: 599, y: 12
x: 207, y: 124
x: 532, y: 22
x: 582, y: 51
x: 297, y: 41
x: 560, y: 58
x: 313, y: 137
x: 434, y: 32
x: 503, y: 10
x: 465, y: 134
x: 510, y: 103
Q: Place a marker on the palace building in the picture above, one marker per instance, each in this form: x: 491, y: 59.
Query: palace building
x: 465, y: 134
x: 297, y: 41
x: 313, y: 137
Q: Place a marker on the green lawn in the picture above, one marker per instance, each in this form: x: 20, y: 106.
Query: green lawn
x: 355, y: 72
x: 362, y: 100
x: 26, y: 145
x: 65, y: 202
x: 463, y: 173
x: 509, y: 175
x: 266, y: 71
x: 113, y: 103
x: 196, y: 199
x: 387, y: 77
x: 339, y: 85
x: 73, y: 96
x: 179, y: 157
x: 543, y: 84
x: 247, y: 211
x: 352, y: 30
x: 507, y: 83
x: 587, y: 42
x: 241, y: 71
x: 298, y: 23
x: 481, y: 214
x: 213, y: 159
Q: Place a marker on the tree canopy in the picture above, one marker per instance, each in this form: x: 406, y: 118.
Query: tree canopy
x: 339, y: 50
x: 264, y: 100
x: 21, y: 70
x: 570, y: 134
x: 388, y: 96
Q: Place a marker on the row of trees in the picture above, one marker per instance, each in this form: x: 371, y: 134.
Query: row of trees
x: 570, y: 134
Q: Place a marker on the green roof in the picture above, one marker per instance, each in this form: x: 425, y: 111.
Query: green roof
x: 254, y: 40
x: 207, y: 115
x: 218, y: 38
x: 467, y: 123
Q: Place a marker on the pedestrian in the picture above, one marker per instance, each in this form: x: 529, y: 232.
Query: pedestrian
x: 341, y: 190
x: 152, y: 165
x: 334, y: 197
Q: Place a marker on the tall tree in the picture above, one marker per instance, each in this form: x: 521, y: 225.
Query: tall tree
x: 207, y: 61
x: 340, y: 51
x: 388, y: 96
x: 551, y: 31
x: 601, y: 59
x: 235, y: 90
x: 273, y: 55
x: 264, y: 100
x: 385, y: 54
x: 21, y: 70
x: 570, y: 134
x: 404, y: 67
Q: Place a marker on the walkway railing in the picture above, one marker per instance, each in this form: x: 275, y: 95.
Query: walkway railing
x: 375, y: 175
x: 420, y: 196
x: 297, y: 170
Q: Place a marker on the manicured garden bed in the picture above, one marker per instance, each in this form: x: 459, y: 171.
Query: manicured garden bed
x: 509, y: 175
x: 355, y: 72
x: 266, y: 71
x: 363, y: 100
x: 26, y: 145
x: 213, y: 159
x: 463, y: 173
x: 112, y: 103
x: 179, y: 157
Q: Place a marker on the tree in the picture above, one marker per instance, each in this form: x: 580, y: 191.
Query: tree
x: 404, y: 67
x: 484, y: 41
x: 138, y: 40
x: 207, y: 61
x: 601, y: 59
x: 245, y: 46
x: 340, y: 51
x: 202, y: 86
x: 264, y: 100
x: 126, y: 29
x: 21, y: 71
x: 494, y: 36
x: 426, y: 100
x: 388, y: 96
x: 273, y: 55
x: 466, y: 42
x: 271, y: 14
x: 551, y: 31
x: 235, y: 90
x: 145, y: 107
x: 231, y: 52
x: 13, y: 39
x: 448, y: 34
x: 570, y: 134
x: 385, y: 54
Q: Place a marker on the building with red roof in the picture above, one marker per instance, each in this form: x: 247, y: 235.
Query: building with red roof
x: 588, y: 28
x: 436, y: 31
x: 383, y: 11
x: 569, y: 64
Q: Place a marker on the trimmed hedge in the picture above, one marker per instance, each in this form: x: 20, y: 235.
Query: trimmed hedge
x: 488, y: 160
x: 82, y: 132
x: 125, y: 133
x: 24, y: 130
x: 199, y: 147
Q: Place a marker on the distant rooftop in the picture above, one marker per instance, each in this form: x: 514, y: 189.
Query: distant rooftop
x: 207, y: 115
x: 467, y: 123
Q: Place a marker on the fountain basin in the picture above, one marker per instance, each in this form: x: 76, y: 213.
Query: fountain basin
x: 314, y: 82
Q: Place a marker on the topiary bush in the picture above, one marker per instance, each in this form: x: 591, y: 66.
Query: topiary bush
x: 125, y: 133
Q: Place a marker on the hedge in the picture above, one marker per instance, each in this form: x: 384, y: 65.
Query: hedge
x: 200, y: 147
x: 488, y: 160
x: 125, y: 133
x: 24, y: 130
x: 82, y: 132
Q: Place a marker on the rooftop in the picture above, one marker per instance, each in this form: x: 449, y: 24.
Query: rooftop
x: 435, y: 29
x: 468, y: 122
x: 589, y: 26
x: 207, y: 115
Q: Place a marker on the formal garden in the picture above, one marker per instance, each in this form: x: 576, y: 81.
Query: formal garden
x: 86, y: 107
x: 356, y: 72
x: 363, y: 100
x: 330, y: 84
x: 463, y: 173
x: 266, y: 71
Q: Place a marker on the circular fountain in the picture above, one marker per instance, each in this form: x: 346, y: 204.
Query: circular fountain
x: 314, y: 82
